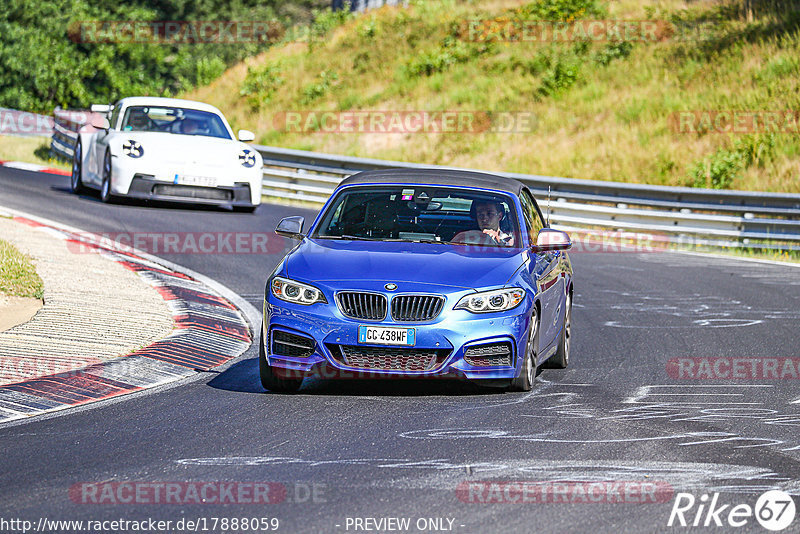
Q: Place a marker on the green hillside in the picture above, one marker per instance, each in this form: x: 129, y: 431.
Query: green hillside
x: 602, y: 108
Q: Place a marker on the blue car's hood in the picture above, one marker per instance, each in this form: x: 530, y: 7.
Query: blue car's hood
x: 446, y: 265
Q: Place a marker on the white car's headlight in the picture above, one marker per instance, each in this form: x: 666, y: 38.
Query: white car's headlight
x: 297, y: 292
x: 492, y: 301
x: 247, y: 158
x: 132, y: 148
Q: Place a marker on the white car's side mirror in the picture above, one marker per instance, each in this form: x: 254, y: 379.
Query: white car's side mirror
x: 246, y: 136
x: 101, y: 108
x: 100, y: 123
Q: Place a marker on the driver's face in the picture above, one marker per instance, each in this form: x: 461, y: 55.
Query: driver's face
x: 488, y: 217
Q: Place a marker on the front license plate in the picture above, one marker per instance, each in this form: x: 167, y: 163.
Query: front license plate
x: 380, y: 335
x: 204, y: 181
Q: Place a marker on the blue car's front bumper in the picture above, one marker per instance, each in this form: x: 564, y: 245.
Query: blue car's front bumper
x: 448, y: 337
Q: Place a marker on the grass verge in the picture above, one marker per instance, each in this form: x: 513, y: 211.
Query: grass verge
x: 18, y: 276
x: 29, y: 150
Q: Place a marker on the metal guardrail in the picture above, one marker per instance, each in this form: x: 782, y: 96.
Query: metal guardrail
x: 66, y: 126
x: 725, y: 218
x: 681, y: 214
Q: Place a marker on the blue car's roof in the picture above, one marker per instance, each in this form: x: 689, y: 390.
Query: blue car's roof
x: 436, y: 177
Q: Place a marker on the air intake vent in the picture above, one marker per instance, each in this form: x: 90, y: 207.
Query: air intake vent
x: 416, y: 308
x: 361, y: 305
x: 388, y: 358
x: 489, y: 355
x: 293, y: 345
x: 191, y: 191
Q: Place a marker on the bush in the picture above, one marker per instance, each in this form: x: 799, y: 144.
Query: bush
x: 46, y: 62
x: 450, y: 52
x: 325, y: 80
x: 613, y: 51
x: 260, y: 84
x: 325, y: 21
x: 562, y: 74
x: 209, y: 69
x: 720, y: 169
x: 717, y: 171
x: 560, y: 10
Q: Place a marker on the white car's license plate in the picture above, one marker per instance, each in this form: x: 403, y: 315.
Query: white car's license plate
x: 187, y: 179
x: 380, y: 335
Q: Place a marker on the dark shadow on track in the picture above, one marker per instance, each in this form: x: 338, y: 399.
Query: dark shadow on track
x: 93, y: 196
x: 243, y: 377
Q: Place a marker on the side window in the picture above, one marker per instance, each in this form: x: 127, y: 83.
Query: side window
x: 532, y: 218
x: 115, y: 116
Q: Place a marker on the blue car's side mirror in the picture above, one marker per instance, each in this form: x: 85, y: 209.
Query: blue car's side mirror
x: 549, y: 240
x: 291, y: 227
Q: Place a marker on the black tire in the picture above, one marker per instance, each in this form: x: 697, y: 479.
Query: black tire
x: 245, y: 209
x: 529, y: 371
x: 105, y: 186
x: 269, y: 380
x: 76, y: 180
x: 560, y: 359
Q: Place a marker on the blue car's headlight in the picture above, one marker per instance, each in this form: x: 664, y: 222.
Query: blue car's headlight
x: 297, y: 292
x: 492, y: 301
x: 132, y: 148
x: 247, y: 158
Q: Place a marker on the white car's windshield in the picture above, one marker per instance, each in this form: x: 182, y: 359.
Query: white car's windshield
x: 180, y: 121
x: 421, y: 213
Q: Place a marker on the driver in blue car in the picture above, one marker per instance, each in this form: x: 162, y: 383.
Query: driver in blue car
x: 488, y: 215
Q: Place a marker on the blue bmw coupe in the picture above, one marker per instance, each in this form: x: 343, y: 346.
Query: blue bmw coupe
x: 420, y: 273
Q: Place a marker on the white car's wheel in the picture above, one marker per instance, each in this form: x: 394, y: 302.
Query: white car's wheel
x: 76, y: 180
x: 105, y: 188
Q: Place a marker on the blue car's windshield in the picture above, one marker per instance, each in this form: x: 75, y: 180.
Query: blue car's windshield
x: 421, y: 213
x: 181, y: 121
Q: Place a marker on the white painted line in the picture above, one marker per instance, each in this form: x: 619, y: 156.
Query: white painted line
x: 738, y: 258
x: 250, y: 314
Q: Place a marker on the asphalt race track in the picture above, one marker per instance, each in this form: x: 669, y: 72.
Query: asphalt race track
x: 353, y: 449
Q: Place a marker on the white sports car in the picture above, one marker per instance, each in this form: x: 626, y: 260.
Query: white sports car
x: 167, y: 149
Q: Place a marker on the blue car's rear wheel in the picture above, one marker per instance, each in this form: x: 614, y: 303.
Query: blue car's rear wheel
x: 560, y: 359
x: 269, y: 379
x: 528, y: 371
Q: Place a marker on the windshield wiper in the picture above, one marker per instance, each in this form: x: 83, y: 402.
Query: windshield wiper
x: 347, y: 237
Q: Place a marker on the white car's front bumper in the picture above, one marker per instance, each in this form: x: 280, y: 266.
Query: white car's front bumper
x: 234, y: 186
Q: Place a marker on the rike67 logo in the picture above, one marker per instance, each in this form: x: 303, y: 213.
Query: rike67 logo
x: 774, y: 510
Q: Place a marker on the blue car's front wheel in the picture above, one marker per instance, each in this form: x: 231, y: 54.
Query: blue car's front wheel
x: 269, y: 379
x: 528, y: 371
